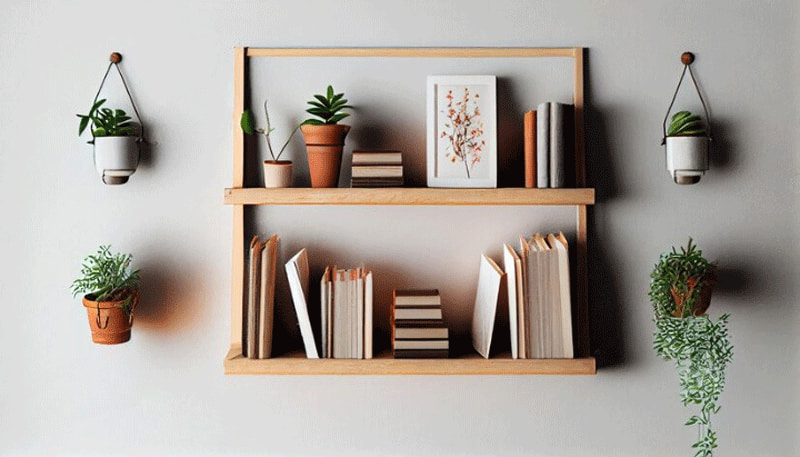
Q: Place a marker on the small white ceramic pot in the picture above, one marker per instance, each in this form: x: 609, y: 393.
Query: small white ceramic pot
x: 116, y: 158
x: 687, y: 158
x: 277, y: 173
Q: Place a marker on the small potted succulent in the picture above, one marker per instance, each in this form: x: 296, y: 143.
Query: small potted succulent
x: 687, y: 147
x: 111, y: 292
x: 680, y: 291
x: 115, y: 140
x: 277, y: 173
x: 324, y: 137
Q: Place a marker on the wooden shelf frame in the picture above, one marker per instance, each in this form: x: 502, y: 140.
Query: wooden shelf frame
x: 239, y: 197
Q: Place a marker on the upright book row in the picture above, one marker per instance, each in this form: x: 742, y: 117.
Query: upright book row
x: 549, y: 146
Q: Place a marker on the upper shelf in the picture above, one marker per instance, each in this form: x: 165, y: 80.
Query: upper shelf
x: 408, y: 196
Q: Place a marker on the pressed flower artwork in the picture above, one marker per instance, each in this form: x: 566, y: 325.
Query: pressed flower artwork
x: 462, y: 149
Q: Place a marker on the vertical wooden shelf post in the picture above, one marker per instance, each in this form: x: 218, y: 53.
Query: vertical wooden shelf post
x: 237, y: 260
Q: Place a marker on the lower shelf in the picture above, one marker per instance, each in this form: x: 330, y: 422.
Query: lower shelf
x: 384, y: 364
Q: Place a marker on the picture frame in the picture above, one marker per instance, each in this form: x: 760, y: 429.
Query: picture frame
x: 462, y: 131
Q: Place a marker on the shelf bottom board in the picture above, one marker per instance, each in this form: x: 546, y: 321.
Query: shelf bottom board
x: 296, y: 363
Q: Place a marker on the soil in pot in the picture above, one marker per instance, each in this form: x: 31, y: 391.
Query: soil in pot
x: 108, y: 322
x: 324, y: 144
x: 277, y: 173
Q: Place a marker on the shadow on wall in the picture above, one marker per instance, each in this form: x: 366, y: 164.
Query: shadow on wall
x: 168, y: 302
x: 606, y: 316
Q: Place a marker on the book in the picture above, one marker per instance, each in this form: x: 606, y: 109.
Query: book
x: 543, y: 145
x: 417, y: 298
x: 375, y: 171
x: 559, y: 242
x: 485, y: 309
x: 421, y: 333
x: 266, y: 315
x: 510, y: 265
x: 368, y: 310
x: 362, y: 157
x: 250, y: 338
x: 417, y: 313
x: 561, y: 141
x: 529, y: 135
x: 297, y: 275
x: 325, y: 289
x: 360, y: 308
x: 546, y: 302
x: 400, y: 345
x: 421, y: 353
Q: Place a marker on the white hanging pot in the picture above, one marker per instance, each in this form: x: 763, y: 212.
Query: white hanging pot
x: 277, y: 173
x: 687, y: 158
x: 116, y: 158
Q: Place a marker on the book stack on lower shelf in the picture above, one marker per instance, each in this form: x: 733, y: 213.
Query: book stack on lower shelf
x: 418, y: 330
x: 377, y: 169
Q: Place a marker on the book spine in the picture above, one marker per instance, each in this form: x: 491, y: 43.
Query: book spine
x: 529, y: 134
x: 558, y: 147
x: 421, y: 354
x: 543, y: 145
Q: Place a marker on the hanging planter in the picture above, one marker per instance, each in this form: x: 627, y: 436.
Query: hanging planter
x: 116, y: 140
x: 688, y: 137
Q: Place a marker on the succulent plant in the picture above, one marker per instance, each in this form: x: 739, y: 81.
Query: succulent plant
x: 327, y: 108
x: 684, y: 123
x: 106, y: 122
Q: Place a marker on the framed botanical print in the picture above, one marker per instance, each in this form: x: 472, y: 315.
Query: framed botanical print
x: 462, y: 131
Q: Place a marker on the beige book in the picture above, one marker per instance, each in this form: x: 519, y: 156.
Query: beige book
x: 266, y: 314
x: 510, y: 265
x: 485, y: 309
x: 368, y: 310
x: 250, y: 340
x: 297, y: 274
x: 559, y: 242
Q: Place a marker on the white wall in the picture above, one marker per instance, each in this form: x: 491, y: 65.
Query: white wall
x: 164, y: 393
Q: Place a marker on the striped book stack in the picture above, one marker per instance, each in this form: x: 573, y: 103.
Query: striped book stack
x: 418, y: 330
x: 377, y: 169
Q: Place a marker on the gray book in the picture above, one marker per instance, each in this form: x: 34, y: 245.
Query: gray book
x: 558, y: 145
x: 543, y: 145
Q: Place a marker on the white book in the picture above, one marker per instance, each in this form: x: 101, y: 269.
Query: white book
x: 377, y: 157
x: 543, y: 145
x: 339, y: 315
x: 360, y: 305
x: 368, y: 325
x: 510, y: 266
x: 421, y: 344
x: 523, y: 312
x: 266, y: 315
x: 565, y: 301
x: 417, y: 313
x: 549, y: 347
x: 324, y: 298
x: 533, y: 307
x: 377, y: 171
x: 421, y: 333
x: 297, y: 274
x: 418, y: 300
x: 485, y: 309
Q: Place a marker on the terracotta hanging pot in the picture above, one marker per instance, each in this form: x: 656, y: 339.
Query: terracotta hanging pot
x: 109, y: 323
x: 703, y: 301
x: 324, y: 144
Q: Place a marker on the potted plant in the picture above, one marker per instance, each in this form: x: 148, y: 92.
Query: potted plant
x: 324, y: 137
x: 687, y: 147
x: 116, y: 145
x: 680, y: 291
x: 277, y: 173
x: 111, y: 291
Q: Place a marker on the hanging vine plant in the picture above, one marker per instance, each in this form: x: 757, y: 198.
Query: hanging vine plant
x: 680, y: 291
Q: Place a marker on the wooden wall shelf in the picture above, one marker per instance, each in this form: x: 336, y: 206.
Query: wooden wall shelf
x: 408, y: 196
x: 384, y: 364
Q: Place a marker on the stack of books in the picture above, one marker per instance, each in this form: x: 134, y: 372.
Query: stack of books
x: 346, y: 311
x: 258, y: 314
x: 377, y: 169
x: 418, y: 330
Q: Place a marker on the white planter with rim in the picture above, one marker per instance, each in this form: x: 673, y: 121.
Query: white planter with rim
x: 277, y: 173
x: 687, y: 158
x: 116, y: 158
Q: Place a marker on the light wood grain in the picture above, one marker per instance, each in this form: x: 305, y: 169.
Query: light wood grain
x: 237, y: 249
x: 582, y: 320
x: 384, y: 364
x: 580, y: 161
x: 411, y: 52
x: 408, y: 196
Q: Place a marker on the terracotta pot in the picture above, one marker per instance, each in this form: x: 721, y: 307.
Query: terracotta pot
x: 324, y: 144
x: 277, y: 173
x: 108, y: 322
x: 704, y: 300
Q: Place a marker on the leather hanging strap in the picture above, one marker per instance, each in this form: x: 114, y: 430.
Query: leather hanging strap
x: 687, y: 58
x: 115, y: 59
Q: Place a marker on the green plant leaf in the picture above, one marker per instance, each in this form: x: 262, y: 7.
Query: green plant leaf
x: 83, y: 124
x: 317, y: 104
x: 312, y: 122
x: 330, y: 92
x: 324, y: 101
x: 338, y: 117
x: 247, y: 122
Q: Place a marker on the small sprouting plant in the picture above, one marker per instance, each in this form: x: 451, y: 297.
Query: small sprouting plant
x: 700, y: 347
x: 327, y: 108
x: 248, y: 126
x: 684, y: 123
x: 106, y: 122
x: 108, y: 277
x: 464, y: 130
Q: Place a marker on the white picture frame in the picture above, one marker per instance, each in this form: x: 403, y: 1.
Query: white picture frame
x: 468, y: 159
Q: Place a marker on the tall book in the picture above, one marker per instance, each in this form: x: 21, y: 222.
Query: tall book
x: 485, y: 309
x: 250, y: 339
x: 560, y: 245
x: 546, y: 302
x: 368, y: 310
x: 325, y: 290
x: 543, y: 145
x: 297, y: 274
x: 561, y: 145
x: 511, y: 265
x: 529, y: 135
x: 266, y: 314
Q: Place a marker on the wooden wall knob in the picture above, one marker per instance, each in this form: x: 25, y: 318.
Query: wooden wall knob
x: 687, y: 58
x: 115, y: 57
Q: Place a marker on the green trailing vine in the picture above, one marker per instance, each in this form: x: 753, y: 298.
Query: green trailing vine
x: 680, y: 290
x: 108, y: 277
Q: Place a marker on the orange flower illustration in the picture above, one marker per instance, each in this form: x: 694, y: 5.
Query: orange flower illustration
x: 464, y: 130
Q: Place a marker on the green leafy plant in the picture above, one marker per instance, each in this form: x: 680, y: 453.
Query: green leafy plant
x: 684, y: 123
x: 248, y: 123
x: 327, y: 108
x: 107, y: 276
x: 680, y: 290
x: 106, y: 122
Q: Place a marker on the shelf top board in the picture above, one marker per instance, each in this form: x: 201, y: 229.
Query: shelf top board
x: 297, y: 364
x: 408, y: 196
x: 415, y: 52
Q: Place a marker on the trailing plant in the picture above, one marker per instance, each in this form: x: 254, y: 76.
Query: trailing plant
x: 684, y: 123
x: 680, y: 284
x: 106, y: 122
x: 108, y: 277
x: 248, y: 126
x: 327, y: 108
